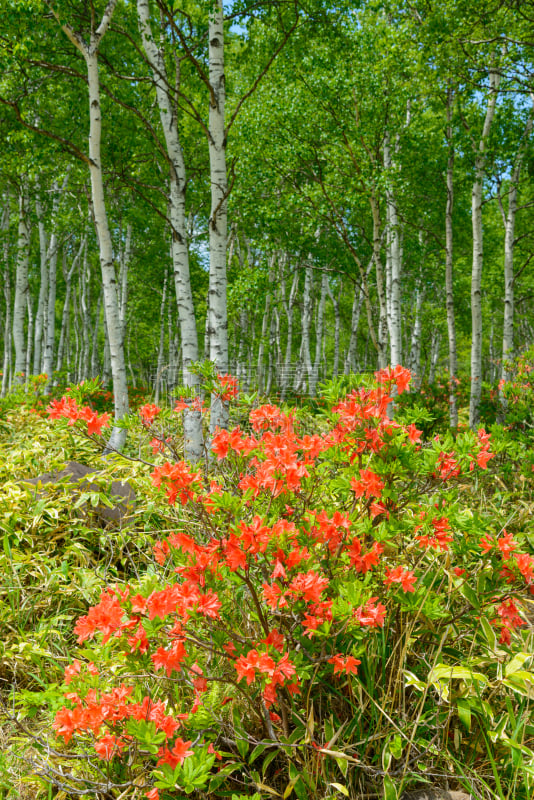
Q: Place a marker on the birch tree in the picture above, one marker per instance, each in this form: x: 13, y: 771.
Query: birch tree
x: 89, y: 51
x: 20, y: 304
x: 478, y: 251
x: 178, y: 222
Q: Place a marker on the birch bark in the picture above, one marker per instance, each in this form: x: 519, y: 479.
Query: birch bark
x: 21, y: 284
x: 509, y: 243
x: 4, y: 231
x: 89, y: 51
x: 394, y: 259
x: 449, y: 285
x: 382, y: 336
x: 193, y: 445
x: 217, y: 293
x: 478, y: 254
x: 43, y: 286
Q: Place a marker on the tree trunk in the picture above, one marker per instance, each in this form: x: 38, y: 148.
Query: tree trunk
x: 67, y: 274
x: 449, y: 285
x: 4, y: 231
x: 476, y: 273
x: 21, y: 285
x: 109, y: 278
x: 161, y: 347
x: 509, y: 242
x: 124, y: 260
x: 193, y: 444
x: 43, y: 287
x: 286, y: 369
x: 319, y: 328
x: 394, y: 256
x: 414, y: 359
x: 95, y: 367
x: 337, y: 325
x: 218, y: 318
x: 382, y: 337
x: 265, y: 327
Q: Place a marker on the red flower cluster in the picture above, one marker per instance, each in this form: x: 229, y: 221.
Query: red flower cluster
x: 148, y: 413
x: 178, y: 480
x: 68, y: 408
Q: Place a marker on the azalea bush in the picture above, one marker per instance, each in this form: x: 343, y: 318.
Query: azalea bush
x: 327, y: 614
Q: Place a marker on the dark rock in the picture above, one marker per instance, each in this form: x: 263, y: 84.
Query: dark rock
x: 122, y: 494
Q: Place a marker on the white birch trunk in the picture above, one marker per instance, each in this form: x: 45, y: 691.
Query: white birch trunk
x: 4, y: 231
x: 43, y: 287
x: 84, y: 287
x: 95, y: 366
x: 124, y: 261
x: 351, y: 358
x: 435, y: 344
x: 449, y: 283
x: 65, y: 318
x: 217, y: 294
x: 319, y: 329
x: 29, y: 342
x: 509, y: 242
x: 21, y: 285
x: 109, y: 278
x: 307, y: 309
x: 161, y: 346
x: 193, y: 445
x: 265, y: 328
x: 381, y: 340
x: 478, y: 255
x: 289, y: 305
x: 337, y: 325
x: 414, y: 359
x: 394, y: 257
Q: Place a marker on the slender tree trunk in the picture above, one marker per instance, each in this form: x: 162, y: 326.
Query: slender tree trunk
x: 449, y: 283
x: 307, y: 309
x: 95, y: 367
x: 67, y: 274
x: 161, y: 347
x: 337, y: 325
x: 395, y: 257
x: 286, y: 369
x: 4, y: 231
x: 21, y: 284
x: 265, y: 327
x: 351, y: 358
x: 319, y: 328
x: 435, y: 344
x: 414, y: 359
x: 29, y: 341
x: 194, y: 444
x: 478, y: 256
x: 382, y: 337
x: 509, y: 242
x: 218, y: 316
x: 109, y: 278
x: 125, y: 256
x: 85, y: 285
x: 43, y: 287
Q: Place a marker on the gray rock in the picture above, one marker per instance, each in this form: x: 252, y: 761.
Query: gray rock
x: 122, y: 494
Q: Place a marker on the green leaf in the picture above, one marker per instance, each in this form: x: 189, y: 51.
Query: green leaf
x: 464, y: 713
x: 390, y: 790
x: 340, y: 788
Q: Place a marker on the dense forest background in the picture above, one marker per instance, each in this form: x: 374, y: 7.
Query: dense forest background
x: 294, y: 190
